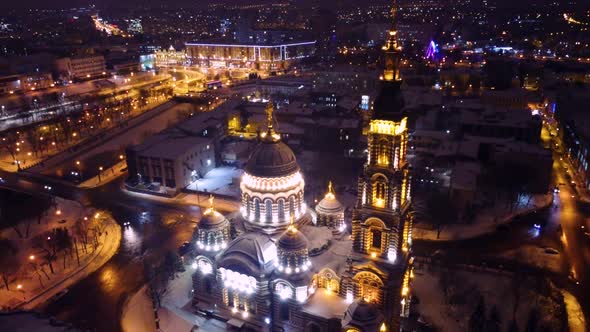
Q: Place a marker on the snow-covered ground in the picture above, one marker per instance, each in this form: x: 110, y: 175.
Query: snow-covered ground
x: 222, y: 180
x: 175, y: 315
x: 485, y: 222
x: 536, y: 256
x: 449, y: 297
x: 37, y: 282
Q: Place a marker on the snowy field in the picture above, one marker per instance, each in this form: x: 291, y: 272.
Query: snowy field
x: 448, y: 298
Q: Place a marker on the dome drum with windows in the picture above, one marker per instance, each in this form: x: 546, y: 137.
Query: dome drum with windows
x: 213, y: 230
x: 272, y: 185
x: 331, y: 212
x: 292, y: 252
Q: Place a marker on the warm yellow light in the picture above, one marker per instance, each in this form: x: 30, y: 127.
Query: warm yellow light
x: 19, y: 286
x: 388, y: 127
x: 380, y: 202
x: 383, y: 327
x: 58, y: 212
x: 405, y: 291
x: 373, y: 255
x: 32, y: 257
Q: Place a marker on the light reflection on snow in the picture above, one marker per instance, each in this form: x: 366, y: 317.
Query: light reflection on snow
x: 132, y: 239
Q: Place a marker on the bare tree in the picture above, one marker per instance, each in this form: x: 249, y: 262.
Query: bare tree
x: 437, y: 210
x: 44, y: 243
x: 8, y: 260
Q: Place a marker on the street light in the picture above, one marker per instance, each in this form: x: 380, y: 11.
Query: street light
x: 32, y: 257
x: 99, y: 171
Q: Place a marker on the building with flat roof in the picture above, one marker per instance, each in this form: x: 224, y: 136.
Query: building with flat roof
x: 227, y: 55
x: 174, y: 158
x: 81, y: 67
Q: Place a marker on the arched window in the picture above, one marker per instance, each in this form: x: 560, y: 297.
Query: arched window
x: 368, y: 286
x: 376, y: 236
x: 281, y: 206
x: 256, y: 209
x: 383, y: 153
x: 379, y: 191
x: 291, y: 206
x: 247, y: 199
x: 268, y: 208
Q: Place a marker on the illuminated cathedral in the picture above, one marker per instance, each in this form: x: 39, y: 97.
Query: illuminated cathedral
x: 281, y: 266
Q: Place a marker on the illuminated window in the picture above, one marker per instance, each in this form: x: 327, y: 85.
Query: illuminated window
x: 383, y: 153
x: 368, y: 286
x: 379, y: 192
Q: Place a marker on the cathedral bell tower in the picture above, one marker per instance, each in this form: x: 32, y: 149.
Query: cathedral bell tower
x: 380, y: 267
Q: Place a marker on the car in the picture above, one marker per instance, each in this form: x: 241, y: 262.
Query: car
x: 556, y: 190
x: 551, y: 251
x: 537, y: 226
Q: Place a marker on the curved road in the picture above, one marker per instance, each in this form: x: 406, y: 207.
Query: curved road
x: 95, y: 303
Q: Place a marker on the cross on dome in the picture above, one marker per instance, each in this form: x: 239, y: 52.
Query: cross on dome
x: 270, y: 133
x: 330, y: 194
x: 292, y: 228
x: 211, y: 208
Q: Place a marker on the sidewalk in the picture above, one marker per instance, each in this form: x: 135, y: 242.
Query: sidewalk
x: 222, y: 203
x: 484, y: 223
x: 37, y: 283
x: 106, y: 176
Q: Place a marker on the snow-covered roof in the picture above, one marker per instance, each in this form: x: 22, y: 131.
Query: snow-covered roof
x: 325, y: 304
x: 252, y: 254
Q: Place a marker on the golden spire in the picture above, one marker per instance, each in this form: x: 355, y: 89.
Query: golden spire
x: 269, y: 116
x: 211, y: 208
x: 292, y: 227
x: 392, y: 52
x: 391, y: 42
x: 270, y: 133
x: 330, y: 194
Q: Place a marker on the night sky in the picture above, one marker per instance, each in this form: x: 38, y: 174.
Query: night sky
x: 106, y: 4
